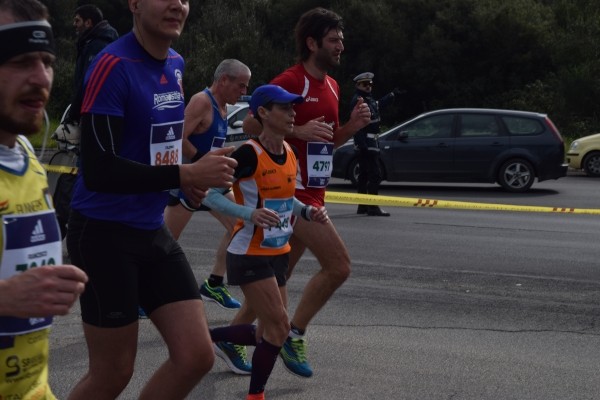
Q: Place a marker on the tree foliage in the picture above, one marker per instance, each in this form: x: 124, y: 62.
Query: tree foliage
x: 536, y: 55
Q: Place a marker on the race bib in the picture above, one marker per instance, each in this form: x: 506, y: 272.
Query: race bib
x: 217, y: 143
x: 319, y: 163
x: 31, y: 240
x: 165, y: 143
x: 278, y: 236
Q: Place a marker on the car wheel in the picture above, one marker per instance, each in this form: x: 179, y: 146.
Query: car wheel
x: 353, y: 170
x: 516, y: 175
x: 591, y: 164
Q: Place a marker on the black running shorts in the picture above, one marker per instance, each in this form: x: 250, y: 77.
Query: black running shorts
x: 127, y: 267
x: 175, y: 199
x: 243, y: 269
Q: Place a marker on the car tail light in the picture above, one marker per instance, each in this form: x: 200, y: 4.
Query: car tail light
x: 554, y: 130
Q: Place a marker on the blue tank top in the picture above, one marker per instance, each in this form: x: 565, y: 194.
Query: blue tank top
x: 205, y: 141
x: 125, y: 81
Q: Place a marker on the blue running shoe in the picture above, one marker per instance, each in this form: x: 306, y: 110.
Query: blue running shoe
x: 235, y: 356
x: 142, y: 313
x: 219, y: 295
x: 293, y: 354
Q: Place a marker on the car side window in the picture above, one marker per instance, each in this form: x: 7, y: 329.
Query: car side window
x: 436, y: 126
x: 476, y: 125
x: 522, y: 126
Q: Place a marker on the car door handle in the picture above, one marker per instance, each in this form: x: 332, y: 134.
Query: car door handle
x: 442, y: 144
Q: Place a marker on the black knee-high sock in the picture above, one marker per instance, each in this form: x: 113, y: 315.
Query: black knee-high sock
x: 238, y: 334
x: 263, y: 361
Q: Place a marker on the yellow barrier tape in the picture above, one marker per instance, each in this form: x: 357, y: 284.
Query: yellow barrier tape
x: 60, y: 169
x: 357, y: 198
x: 392, y: 201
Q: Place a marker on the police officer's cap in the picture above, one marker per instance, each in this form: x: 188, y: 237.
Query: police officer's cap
x: 365, y: 76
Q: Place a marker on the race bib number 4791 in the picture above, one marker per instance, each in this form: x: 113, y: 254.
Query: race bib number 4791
x: 319, y: 163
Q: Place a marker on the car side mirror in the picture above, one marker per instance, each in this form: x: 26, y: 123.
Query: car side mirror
x: 402, y: 135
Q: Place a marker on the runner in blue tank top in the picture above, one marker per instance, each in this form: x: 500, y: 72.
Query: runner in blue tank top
x: 205, y: 128
x: 214, y: 136
x: 132, y: 127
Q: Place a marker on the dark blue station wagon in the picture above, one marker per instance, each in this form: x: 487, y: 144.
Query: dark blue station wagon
x: 510, y: 148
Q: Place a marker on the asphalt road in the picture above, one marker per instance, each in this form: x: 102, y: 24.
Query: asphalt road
x: 441, y: 304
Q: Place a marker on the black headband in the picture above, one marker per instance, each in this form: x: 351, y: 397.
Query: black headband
x: 25, y: 37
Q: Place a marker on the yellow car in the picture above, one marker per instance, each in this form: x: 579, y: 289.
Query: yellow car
x: 584, y: 154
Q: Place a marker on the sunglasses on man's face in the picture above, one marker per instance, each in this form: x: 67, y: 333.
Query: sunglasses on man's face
x: 367, y: 84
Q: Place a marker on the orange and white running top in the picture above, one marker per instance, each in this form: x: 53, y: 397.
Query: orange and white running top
x: 272, y: 186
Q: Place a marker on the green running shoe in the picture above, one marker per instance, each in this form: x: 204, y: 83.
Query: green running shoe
x: 293, y: 354
x: 219, y: 295
x: 235, y: 356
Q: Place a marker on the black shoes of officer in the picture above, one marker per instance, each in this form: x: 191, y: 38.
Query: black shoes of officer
x: 372, y: 211
x: 377, y: 212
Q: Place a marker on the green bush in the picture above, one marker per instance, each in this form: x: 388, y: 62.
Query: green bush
x: 37, y: 140
x: 534, y: 55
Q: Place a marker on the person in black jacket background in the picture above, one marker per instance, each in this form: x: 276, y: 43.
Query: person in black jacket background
x: 365, y: 141
x: 94, y: 34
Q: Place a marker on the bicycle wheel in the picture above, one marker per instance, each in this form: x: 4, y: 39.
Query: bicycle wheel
x: 61, y: 186
x: 64, y: 158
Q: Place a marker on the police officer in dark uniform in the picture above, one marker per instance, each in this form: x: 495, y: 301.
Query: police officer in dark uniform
x: 365, y: 142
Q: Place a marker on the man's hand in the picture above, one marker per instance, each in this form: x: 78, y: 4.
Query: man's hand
x: 214, y: 169
x: 315, y: 130
x: 359, y: 118
x: 397, y: 92
x: 319, y: 214
x: 42, y: 291
x: 361, y: 115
